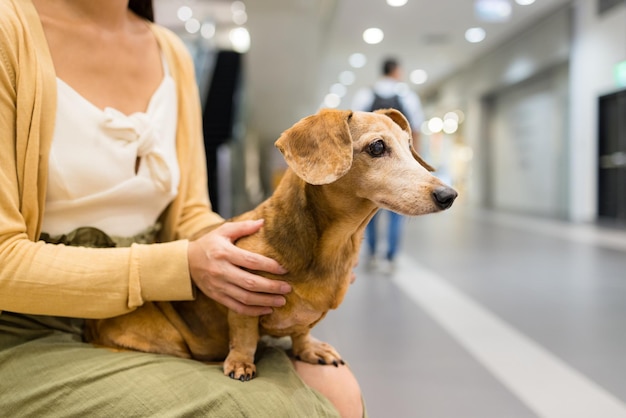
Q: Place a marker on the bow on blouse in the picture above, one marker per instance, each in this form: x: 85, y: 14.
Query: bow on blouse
x: 137, y: 127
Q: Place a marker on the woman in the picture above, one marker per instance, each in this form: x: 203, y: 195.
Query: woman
x: 101, y: 147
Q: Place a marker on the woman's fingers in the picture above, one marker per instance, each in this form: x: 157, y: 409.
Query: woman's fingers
x: 218, y: 268
x: 258, y: 284
x: 253, y: 261
x: 248, y: 259
x: 238, y: 298
x: 241, y: 308
x: 246, y: 301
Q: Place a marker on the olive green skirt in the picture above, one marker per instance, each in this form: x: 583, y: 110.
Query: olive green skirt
x: 46, y: 370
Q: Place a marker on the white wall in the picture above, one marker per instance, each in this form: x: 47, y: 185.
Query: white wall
x: 598, y: 44
x: 592, y: 45
x: 527, y: 139
x: 541, y: 47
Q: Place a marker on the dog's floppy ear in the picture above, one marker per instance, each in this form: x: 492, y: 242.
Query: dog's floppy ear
x: 398, y: 118
x: 401, y: 121
x: 421, y: 160
x: 318, y: 148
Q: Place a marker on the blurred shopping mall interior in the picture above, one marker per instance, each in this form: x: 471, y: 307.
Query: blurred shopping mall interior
x: 513, y: 302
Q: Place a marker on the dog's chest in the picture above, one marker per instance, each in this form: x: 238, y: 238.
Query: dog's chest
x: 306, y: 305
x: 285, y: 321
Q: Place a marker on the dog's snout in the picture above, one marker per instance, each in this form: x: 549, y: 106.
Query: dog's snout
x: 444, y: 196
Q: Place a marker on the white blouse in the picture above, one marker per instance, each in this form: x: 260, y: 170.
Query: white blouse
x: 92, y: 179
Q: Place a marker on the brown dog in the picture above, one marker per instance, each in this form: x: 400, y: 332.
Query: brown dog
x: 343, y: 166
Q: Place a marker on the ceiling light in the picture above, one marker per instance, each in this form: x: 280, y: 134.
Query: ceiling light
x: 373, y: 36
x: 435, y: 125
x: 332, y: 100
x: 192, y: 25
x: 338, y: 89
x: 418, y: 76
x: 184, y: 13
x: 346, y: 78
x: 451, y: 115
x: 207, y: 30
x: 357, y: 60
x: 450, y: 126
x: 475, y: 35
x: 238, y: 10
x: 237, y: 6
x: 461, y: 115
x: 493, y: 10
x: 240, y: 39
x: 396, y: 3
x: 240, y: 17
x: 524, y: 2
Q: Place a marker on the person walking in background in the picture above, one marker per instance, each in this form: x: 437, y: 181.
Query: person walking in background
x: 389, y: 91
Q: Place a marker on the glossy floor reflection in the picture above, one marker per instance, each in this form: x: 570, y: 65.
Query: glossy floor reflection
x: 490, y: 315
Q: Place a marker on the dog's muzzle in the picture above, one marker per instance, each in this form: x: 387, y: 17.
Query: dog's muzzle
x: 444, y: 197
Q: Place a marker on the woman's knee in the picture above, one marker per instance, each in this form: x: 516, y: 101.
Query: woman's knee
x: 338, y: 384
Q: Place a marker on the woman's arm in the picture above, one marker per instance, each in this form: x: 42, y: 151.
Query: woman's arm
x: 40, y: 278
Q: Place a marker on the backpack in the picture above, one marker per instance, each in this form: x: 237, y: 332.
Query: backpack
x: 392, y: 102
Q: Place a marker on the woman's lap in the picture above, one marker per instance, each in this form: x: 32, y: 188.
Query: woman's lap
x: 52, y: 373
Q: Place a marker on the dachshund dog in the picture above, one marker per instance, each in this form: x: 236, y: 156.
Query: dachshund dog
x: 343, y: 166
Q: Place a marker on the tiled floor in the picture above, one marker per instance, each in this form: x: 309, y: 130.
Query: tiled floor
x: 490, y: 315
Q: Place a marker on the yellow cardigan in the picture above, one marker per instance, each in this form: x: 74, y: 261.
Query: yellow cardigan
x: 39, y: 278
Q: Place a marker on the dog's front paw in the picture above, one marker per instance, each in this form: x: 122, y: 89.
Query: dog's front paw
x: 237, y: 366
x: 317, y: 352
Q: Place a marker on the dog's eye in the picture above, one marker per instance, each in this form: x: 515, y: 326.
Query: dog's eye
x: 376, y: 148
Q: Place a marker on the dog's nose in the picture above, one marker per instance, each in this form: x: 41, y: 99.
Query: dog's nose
x: 444, y: 196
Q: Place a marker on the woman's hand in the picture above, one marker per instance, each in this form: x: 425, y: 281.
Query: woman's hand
x: 216, y: 265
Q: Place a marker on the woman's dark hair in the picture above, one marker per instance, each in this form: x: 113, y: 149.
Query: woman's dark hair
x: 142, y: 8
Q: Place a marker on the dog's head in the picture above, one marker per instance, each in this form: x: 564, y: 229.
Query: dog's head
x: 369, y: 154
